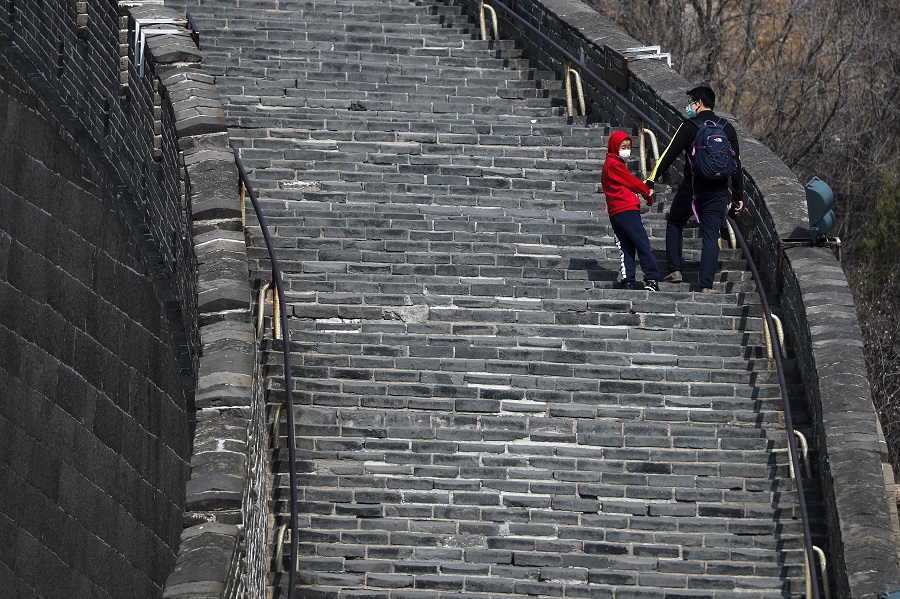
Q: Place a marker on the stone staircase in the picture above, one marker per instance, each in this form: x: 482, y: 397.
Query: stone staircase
x: 481, y: 413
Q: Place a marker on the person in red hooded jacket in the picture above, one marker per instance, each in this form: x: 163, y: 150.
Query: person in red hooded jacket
x: 623, y: 203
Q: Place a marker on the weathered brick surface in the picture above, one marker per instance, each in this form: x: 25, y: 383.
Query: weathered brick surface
x: 103, y: 328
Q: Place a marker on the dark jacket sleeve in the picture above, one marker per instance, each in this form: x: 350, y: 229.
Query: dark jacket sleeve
x: 680, y: 141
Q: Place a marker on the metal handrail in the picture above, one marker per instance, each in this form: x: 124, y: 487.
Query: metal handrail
x: 261, y: 314
x: 483, y: 24
x: 195, y: 31
x: 823, y: 565
x: 770, y: 325
x: 643, y: 133
x: 279, y: 549
x: 570, y: 103
x: 804, y: 449
x: 276, y: 432
x: 244, y: 183
x: 788, y: 419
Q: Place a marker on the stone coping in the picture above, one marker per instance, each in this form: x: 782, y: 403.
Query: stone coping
x: 209, y: 556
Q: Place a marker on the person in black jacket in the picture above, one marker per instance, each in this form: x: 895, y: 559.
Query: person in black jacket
x: 705, y: 199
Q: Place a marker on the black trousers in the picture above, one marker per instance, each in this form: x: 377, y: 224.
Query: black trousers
x: 709, y: 208
x: 631, y: 237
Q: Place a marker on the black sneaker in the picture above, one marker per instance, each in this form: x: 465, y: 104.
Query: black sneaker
x: 627, y: 285
x: 651, y: 285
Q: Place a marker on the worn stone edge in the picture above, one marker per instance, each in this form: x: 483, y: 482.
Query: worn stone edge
x: 208, y: 559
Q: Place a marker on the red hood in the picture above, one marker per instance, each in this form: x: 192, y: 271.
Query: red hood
x: 615, y: 140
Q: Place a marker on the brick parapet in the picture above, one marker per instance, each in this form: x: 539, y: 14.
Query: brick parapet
x: 806, y: 282
x: 161, y: 140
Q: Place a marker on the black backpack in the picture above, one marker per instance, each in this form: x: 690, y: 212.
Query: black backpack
x: 712, y: 156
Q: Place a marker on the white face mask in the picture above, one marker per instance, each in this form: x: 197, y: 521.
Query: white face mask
x: 625, y: 153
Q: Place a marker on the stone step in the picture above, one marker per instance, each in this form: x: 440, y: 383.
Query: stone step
x: 740, y: 412
x: 398, y: 83
x: 714, y: 545
x: 601, y: 448
x: 630, y: 479
x: 320, y: 123
x: 702, y: 402
x: 465, y: 245
x: 461, y: 280
x: 616, y: 397
x: 287, y: 120
x: 574, y: 579
x: 575, y: 379
x: 585, y: 208
x: 736, y: 414
x: 600, y: 361
x: 553, y: 140
x: 371, y: 62
x: 321, y: 77
x: 314, y: 93
x: 577, y: 243
x: 541, y: 281
x: 530, y: 319
x: 379, y: 46
x: 481, y: 281
x: 416, y: 49
x: 549, y: 133
x: 505, y: 379
x: 378, y: 341
x: 543, y: 582
x: 412, y: 184
x: 282, y: 31
x: 264, y: 82
x: 377, y: 103
x: 411, y: 97
x: 465, y: 224
x: 492, y: 282
x: 297, y: 14
x: 698, y: 525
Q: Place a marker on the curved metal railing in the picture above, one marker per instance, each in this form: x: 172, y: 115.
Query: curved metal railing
x: 281, y: 315
x: 812, y: 582
x: 771, y: 327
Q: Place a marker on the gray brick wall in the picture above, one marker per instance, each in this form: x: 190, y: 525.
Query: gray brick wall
x: 805, y: 283
x: 94, y: 443
x: 123, y: 330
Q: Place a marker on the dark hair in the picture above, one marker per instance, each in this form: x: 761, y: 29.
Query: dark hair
x: 704, y: 94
